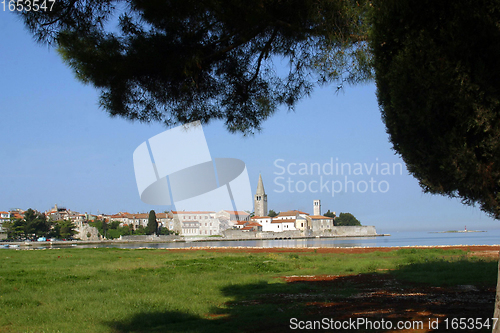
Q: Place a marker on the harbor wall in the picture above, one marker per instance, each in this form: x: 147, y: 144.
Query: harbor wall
x: 347, y: 231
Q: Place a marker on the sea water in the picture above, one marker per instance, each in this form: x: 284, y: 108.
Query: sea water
x: 396, y: 239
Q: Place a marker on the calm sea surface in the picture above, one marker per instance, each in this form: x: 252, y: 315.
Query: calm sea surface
x: 408, y: 238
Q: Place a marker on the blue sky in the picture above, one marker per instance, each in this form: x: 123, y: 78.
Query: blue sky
x: 59, y: 147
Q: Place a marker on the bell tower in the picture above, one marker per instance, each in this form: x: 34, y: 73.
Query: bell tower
x: 260, y: 199
x: 317, y: 207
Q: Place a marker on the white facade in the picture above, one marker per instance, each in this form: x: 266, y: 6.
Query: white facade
x: 317, y: 207
x: 280, y: 225
x: 264, y: 221
x: 4, y: 217
x: 301, y: 222
x: 137, y: 220
x: 197, y: 223
x: 165, y: 221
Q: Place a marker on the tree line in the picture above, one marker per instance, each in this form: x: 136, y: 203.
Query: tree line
x: 35, y: 224
x: 112, y: 230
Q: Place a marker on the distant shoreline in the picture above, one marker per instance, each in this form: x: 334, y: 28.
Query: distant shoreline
x: 25, y: 244
x: 455, y: 231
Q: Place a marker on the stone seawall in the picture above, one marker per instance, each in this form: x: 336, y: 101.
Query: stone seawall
x: 238, y: 234
x: 348, y: 231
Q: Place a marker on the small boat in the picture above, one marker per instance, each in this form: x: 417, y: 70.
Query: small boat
x: 14, y: 246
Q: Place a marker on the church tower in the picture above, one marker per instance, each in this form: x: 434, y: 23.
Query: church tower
x: 317, y: 207
x: 260, y: 201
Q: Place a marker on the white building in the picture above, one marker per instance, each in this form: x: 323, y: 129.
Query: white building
x: 4, y: 217
x: 264, y: 221
x: 165, y: 220
x: 197, y: 223
x: 136, y: 220
x: 301, y: 222
x: 252, y: 226
x: 239, y: 224
x: 279, y: 225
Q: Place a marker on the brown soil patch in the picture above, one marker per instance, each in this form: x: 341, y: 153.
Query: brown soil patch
x: 381, y: 297
x: 378, y: 297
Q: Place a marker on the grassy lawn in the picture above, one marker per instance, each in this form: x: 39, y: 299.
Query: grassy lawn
x: 115, y: 290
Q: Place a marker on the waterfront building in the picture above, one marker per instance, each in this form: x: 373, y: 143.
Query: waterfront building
x: 197, y: 223
x: 319, y: 223
x: 264, y: 221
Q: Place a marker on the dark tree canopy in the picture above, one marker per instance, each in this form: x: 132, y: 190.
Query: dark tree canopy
x: 33, y: 224
x: 64, y: 229
x: 272, y: 213
x: 329, y: 214
x: 180, y: 61
x: 346, y: 219
x: 437, y: 71
x: 152, y: 223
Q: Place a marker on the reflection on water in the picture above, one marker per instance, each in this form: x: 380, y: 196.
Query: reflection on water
x: 396, y: 239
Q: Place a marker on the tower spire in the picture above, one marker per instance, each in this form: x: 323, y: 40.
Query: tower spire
x: 260, y: 199
x: 260, y: 186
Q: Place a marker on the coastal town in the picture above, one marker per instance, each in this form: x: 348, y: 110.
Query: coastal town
x: 226, y: 223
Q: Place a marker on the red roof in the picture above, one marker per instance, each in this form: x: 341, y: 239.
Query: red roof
x: 247, y: 228
x: 138, y: 216
x: 188, y: 212
x: 117, y: 216
x: 254, y: 224
x: 320, y: 217
x: 283, y: 221
x: 260, y: 217
x: 291, y: 213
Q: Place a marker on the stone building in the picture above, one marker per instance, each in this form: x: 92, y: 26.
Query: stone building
x: 317, y: 207
x: 319, y: 223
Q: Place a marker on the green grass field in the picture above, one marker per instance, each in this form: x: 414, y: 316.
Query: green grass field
x: 113, y: 290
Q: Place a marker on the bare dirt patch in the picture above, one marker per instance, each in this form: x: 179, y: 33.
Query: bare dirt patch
x: 381, y: 297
